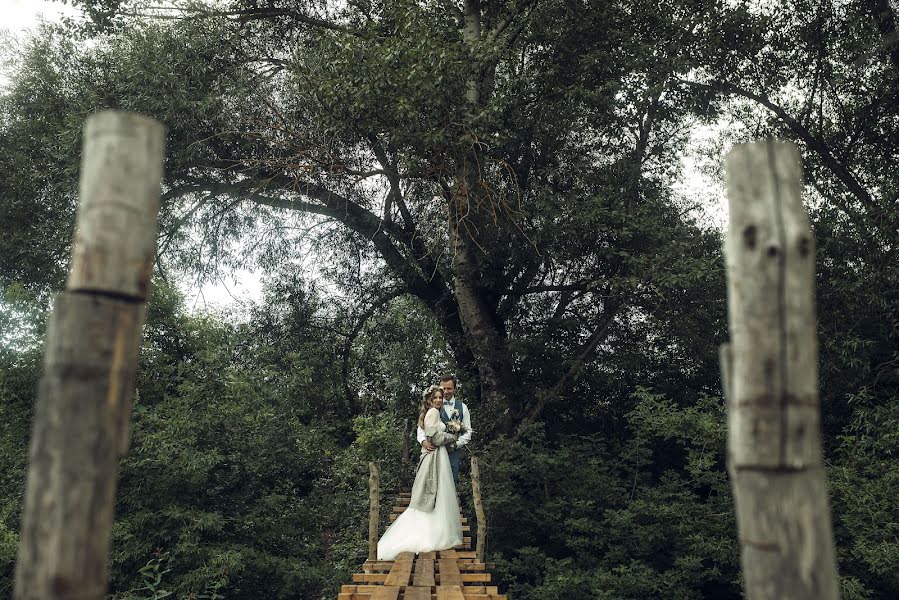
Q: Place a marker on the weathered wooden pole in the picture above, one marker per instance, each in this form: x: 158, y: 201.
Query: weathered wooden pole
x: 770, y: 372
x: 374, y: 499
x: 407, y: 433
x: 83, y: 403
x: 481, y: 547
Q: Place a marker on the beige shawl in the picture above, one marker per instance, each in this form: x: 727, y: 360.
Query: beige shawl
x: 424, y: 490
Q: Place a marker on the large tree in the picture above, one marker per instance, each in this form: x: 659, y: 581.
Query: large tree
x: 490, y: 157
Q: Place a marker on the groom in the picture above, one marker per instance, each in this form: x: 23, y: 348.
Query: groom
x: 450, y: 403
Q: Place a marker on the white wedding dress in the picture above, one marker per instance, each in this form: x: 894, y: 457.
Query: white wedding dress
x: 419, y: 531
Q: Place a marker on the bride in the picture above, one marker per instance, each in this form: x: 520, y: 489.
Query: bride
x: 432, y: 520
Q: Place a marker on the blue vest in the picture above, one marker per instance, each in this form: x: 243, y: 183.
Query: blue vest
x: 445, y: 417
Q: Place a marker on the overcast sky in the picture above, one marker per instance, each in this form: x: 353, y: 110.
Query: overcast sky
x: 22, y: 14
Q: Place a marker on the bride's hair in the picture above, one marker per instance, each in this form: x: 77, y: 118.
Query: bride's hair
x: 426, y: 397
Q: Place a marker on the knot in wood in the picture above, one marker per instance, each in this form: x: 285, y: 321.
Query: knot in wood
x: 749, y: 236
x: 60, y: 585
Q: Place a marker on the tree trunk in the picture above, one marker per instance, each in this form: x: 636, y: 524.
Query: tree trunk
x: 468, y: 202
x: 479, y: 321
x: 771, y: 376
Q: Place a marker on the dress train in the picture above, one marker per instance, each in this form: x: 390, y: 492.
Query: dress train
x: 418, y: 531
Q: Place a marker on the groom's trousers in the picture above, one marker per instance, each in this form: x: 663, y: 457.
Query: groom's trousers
x: 455, y: 458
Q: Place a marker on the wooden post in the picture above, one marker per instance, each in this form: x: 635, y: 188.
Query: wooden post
x: 481, y: 547
x: 770, y: 372
x: 374, y: 499
x: 407, y: 432
x: 84, y: 397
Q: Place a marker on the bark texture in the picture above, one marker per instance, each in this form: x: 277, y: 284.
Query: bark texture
x: 84, y: 397
x: 115, y: 240
x: 470, y: 207
x: 481, y: 547
x: 80, y: 432
x: 771, y: 372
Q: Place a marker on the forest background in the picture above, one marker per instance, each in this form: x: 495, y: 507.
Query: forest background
x: 489, y: 188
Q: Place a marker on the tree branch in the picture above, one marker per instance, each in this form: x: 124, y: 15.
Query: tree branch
x: 454, y: 10
x: 814, y: 142
x: 517, y: 10
x: 351, y: 337
x: 604, y: 320
x: 392, y: 174
x: 184, y: 13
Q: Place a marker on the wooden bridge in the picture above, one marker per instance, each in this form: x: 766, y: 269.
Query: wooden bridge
x: 454, y: 574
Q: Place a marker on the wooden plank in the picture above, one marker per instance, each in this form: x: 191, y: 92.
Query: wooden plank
x: 387, y: 592
x: 449, y: 572
x: 398, y: 577
x: 417, y: 593
x: 429, y: 555
x: 401, y: 571
x: 448, y: 566
x: 369, y: 577
x: 489, y: 590
x: 367, y: 589
x: 424, y: 573
x: 450, y: 592
x: 463, y: 578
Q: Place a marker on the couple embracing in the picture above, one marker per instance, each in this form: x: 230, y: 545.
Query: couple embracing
x: 432, y: 520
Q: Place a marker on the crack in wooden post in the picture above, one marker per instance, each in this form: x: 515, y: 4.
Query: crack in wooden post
x: 769, y: 374
x: 83, y: 407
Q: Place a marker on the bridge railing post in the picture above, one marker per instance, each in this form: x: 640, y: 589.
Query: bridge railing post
x: 481, y: 547
x: 83, y: 407
x: 374, y: 500
x: 770, y: 375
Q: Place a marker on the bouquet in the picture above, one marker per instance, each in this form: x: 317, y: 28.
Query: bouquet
x: 455, y: 425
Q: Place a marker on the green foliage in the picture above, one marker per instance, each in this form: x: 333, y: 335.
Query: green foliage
x: 648, y: 515
x: 250, y: 443
x: 235, y: 471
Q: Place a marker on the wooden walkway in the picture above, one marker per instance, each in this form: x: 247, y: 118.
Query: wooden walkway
x: 445, y: 575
